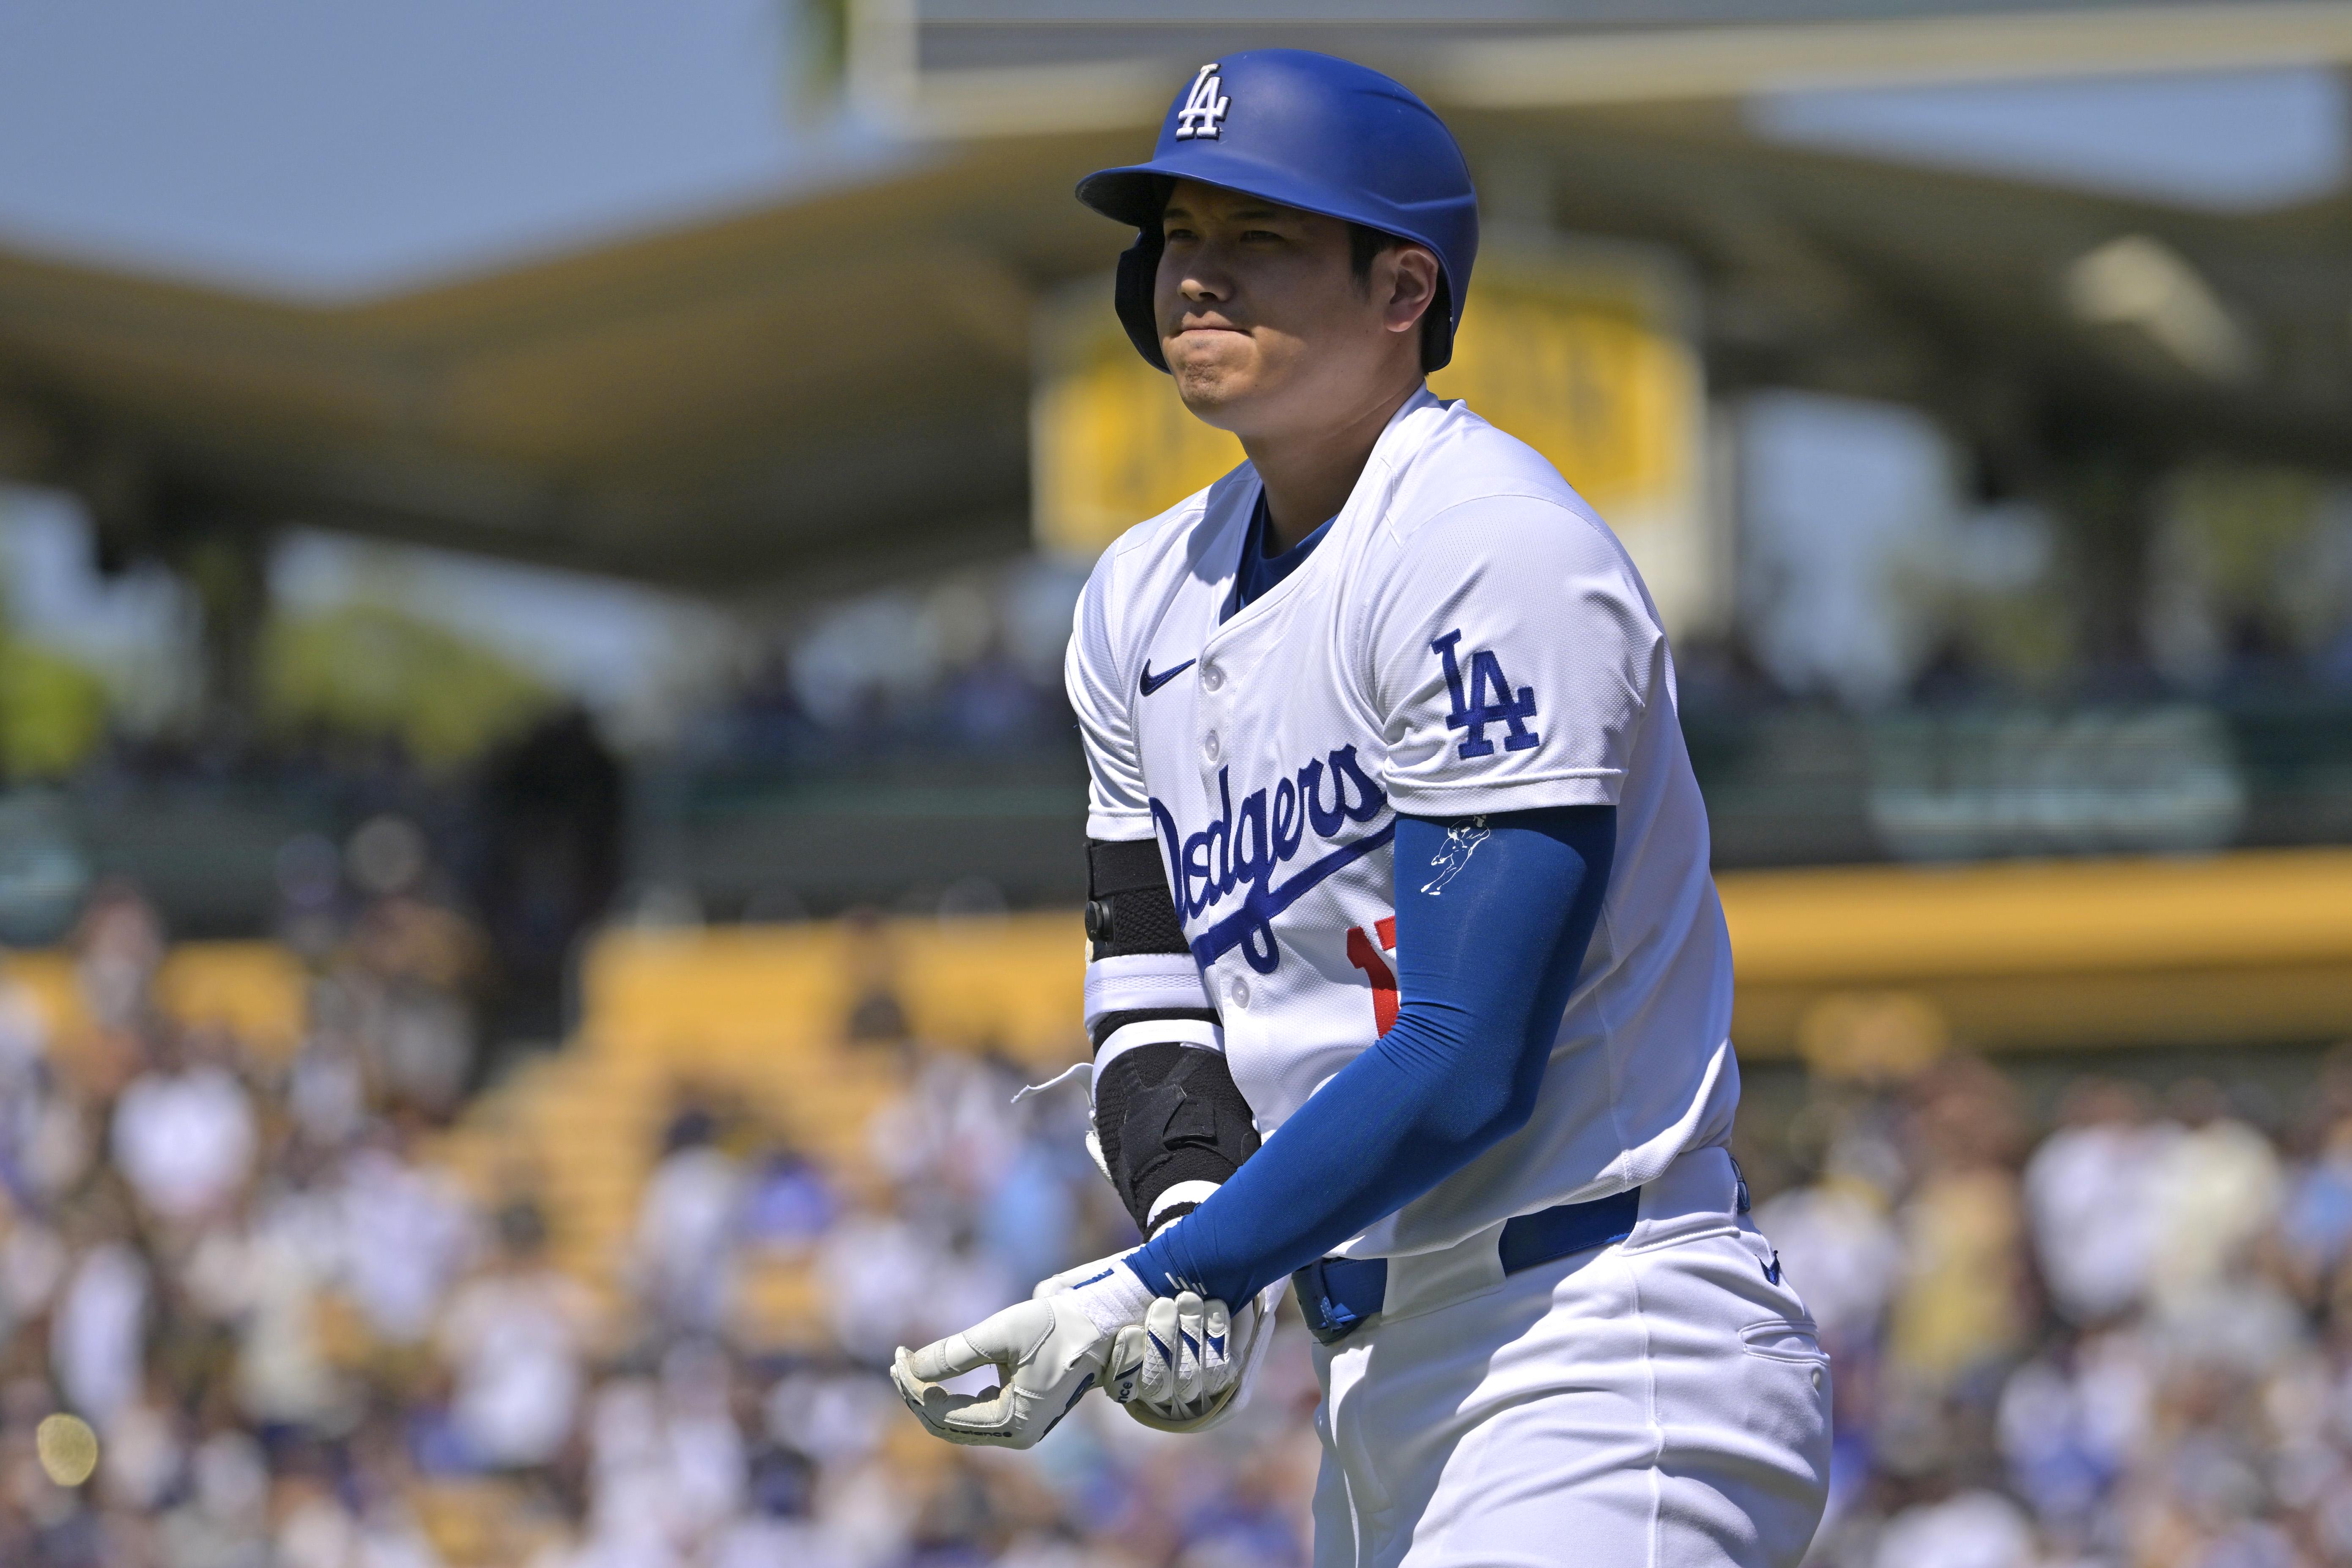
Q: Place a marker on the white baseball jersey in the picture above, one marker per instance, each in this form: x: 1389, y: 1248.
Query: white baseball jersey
x: 1468, y: 638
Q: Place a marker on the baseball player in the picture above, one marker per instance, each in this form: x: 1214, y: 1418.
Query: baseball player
x: 1408, y: 980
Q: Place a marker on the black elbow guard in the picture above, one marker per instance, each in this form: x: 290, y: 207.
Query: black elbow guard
x: 1168, y: 1118
x: 1172, y: 1126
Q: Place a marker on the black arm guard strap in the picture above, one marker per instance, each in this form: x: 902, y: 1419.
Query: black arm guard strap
x: 1165, y: 1113
x: 1129, y: 909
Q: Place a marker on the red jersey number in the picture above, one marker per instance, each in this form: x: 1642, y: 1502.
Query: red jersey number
x: 1364, y: 955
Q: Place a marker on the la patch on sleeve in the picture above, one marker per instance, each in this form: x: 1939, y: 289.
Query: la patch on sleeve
x: 1491, y: 701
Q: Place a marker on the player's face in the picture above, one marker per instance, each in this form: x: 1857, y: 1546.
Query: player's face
x: 1263, y: 323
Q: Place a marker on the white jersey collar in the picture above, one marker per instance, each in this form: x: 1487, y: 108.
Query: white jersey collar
x: 1398, y: 440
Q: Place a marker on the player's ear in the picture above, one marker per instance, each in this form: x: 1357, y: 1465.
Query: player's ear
x: 1412, y: 292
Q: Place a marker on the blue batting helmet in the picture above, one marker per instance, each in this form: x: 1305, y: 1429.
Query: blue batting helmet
x: 1311, y: 131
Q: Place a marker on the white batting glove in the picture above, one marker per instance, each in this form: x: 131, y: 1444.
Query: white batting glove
x: 1120, y: 1374
x: 1049, y: 1350
x: 1071, y: 1279
x: 1185, y: 1368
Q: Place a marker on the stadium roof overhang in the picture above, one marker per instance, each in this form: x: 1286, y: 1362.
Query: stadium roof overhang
x: 834, y: 388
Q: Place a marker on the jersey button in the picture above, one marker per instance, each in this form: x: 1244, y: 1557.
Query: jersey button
x: 1211, y: 747
x: 1211, y: 678
x: 1238, y: 990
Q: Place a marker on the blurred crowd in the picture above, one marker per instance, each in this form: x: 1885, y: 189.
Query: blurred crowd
x: 305, y: 1341
x: 2127, y: 1344
x: 200, y: 1239
x: 971, y: 663
x: 306, y: 1337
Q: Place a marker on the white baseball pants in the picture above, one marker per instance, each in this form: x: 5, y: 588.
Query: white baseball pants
x: 1658, y: 1403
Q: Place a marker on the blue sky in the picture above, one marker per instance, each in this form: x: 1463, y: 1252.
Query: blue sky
x: 321, y: 148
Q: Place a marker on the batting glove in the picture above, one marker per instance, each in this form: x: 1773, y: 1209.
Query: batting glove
x: 1048, y: 1350
x: 1069, y: 1280
x: 1185, y: 1368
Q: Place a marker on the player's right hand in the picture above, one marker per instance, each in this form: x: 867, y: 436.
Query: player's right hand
x: 1181, y: 1369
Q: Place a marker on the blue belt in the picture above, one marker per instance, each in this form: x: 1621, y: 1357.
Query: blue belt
x: 1337, y: 1294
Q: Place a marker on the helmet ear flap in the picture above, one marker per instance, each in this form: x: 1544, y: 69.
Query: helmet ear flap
x: 1437, y: 329
x: 1139, y: 275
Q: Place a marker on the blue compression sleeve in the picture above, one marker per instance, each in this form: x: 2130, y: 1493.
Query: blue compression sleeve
x: 1486, y: 955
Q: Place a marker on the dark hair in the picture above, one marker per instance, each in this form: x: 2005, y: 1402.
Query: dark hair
x: 1364, y: 243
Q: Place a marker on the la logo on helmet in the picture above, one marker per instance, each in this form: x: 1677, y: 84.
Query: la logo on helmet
x: 1203, y: 114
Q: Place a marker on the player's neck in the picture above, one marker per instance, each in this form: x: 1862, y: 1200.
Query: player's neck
x: 1310, y: 475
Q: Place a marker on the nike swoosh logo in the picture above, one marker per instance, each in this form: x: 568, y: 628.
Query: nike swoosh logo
x: 1152, y: 683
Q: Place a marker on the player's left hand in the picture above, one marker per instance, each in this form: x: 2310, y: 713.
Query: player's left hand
x: 1184, y: 1367
x: 1049, y: 1350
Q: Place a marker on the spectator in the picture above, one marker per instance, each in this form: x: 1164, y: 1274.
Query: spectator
x: 405, y: 1235
x: 553, y: 808
x: 2216, y: 1191
x: 706, y: 1449
x: 2317, y: 1221
x: 1961, y: 1306
x: 314, y: 1528
x: 327, y: 1092
x: 32, y: 1262
x: 789, y: 1204
x: 224, y: 1523
x: 515, y: 1336
x: 24, y: 1074
x: 1970, y: 1530
x: 833, y: 1417
x: 993, y: 703
x: 184, y: 1131
x: 776, y: 1531
x: 118, y: 946
x: 876, y: 1016
x: 631, y: 1518
x: 2068, y: 1424
x: 98, y: 1339
x: 2093, y: 1190
x: 688, y: 1224
x: 875, y: 1267
x: 262, y: 1281
x: 1844, y: 1254
x: 410, y: 962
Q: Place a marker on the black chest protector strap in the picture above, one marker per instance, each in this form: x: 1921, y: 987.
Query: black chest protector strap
x: 1167, y: 1113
